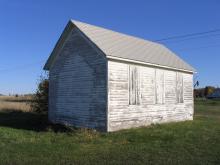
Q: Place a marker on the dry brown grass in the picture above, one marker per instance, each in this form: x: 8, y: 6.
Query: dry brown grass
x: 16, y: 99
x: 15, y: 103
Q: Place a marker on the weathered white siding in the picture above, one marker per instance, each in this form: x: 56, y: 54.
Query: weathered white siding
x: 78, y: 91
x: 159, y: 91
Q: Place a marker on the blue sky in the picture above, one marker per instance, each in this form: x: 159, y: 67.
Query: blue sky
x: 29, y: 30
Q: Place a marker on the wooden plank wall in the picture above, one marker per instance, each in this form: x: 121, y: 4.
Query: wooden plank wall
x: 78, y: 87
x: 158, y: 97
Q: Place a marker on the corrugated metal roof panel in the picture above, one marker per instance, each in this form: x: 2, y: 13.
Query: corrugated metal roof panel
x: 128, y: 47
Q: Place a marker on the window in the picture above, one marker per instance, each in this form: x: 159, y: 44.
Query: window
x: 159, y: 86
x: 134, y: 87
x: 179, y: 87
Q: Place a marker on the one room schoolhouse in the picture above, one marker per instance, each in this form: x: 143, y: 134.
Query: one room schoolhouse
x: 110, y: 81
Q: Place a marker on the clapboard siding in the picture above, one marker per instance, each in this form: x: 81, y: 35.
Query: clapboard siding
x: 78, y: 87
x: 151, y: 109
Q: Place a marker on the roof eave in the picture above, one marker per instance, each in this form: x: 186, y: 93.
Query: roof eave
x: 150, y: 64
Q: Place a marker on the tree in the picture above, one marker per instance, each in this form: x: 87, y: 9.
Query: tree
x: 40, y: 99
x: 209, y: 90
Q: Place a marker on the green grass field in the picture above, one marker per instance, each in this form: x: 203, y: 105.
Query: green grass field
x: 26, y: 138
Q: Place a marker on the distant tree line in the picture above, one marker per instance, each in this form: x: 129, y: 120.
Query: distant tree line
x: 203, y: 92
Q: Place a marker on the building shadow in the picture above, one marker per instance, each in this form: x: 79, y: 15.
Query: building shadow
x: 29, y: 121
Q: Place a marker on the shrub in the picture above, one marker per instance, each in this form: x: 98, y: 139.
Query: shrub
x: 40, y: 99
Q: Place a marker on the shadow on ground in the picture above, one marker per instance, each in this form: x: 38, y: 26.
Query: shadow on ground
x: 29, y: 121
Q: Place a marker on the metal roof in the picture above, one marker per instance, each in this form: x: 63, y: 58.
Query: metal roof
x: 115, y: 44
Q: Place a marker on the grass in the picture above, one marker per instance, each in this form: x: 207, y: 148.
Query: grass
x: 15, y: 103
x: 26, y: 138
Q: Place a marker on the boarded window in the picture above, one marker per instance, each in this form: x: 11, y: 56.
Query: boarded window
x: 134, y: 92
x: 179, y: 87
x: 159, y: 86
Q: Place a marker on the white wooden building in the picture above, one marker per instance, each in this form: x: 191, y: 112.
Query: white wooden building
x: 110, y: 81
